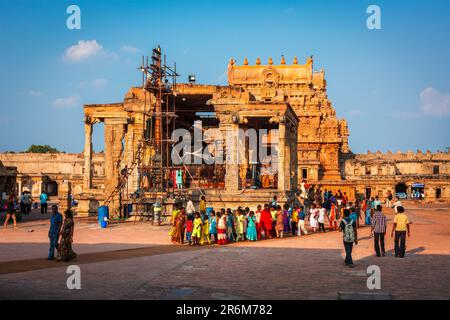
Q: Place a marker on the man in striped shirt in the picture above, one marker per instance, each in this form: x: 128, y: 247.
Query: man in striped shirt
x: 379, y: 230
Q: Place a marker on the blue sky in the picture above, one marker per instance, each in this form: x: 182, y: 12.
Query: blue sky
x: 392, y: 85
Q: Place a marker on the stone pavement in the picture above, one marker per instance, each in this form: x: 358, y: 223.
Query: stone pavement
x: 137, y: 261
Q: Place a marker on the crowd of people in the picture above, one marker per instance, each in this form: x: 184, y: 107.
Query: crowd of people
x: 314, y: 211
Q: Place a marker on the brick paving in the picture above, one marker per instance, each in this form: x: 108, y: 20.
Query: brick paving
x: 137, y: 261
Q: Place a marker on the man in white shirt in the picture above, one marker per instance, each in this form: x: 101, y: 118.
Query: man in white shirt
x: 190, y: 209
x: 396, y: 204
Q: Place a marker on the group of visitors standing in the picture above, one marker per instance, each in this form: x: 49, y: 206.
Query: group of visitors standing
x: 23, y: 204
x: 274, y: 221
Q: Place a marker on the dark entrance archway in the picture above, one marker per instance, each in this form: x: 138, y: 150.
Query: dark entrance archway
x: 50, y: 187
x: 401, y: 188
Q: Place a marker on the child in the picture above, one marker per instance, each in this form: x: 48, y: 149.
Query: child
x: 294, y: 221
x: 251, y: 227
x: 301, y: 222
x: 205, y: 233
x: 240, y: 226
x: 189, y: 228
x: 273, y: 213
x: 213, y: 227
x: 197, y: 232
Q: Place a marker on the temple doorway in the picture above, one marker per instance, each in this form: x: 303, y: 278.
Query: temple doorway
x: 50, y: 187
x: 368, y: 192
x: 401, y: 190
x: 261, y: 163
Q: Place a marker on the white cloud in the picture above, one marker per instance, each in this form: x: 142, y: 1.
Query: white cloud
x: 67, y: 102
x: 129, y: 49
x: 35, y: 93
x: 83, y: 50
x: 435, y: 103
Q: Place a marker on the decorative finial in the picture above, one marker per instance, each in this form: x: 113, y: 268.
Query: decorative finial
x: 258, y: 61
x: 245, y: 61
x: 232, y: 61
x: 283, y: 60
x: 270, y: 61
x: 295, y: 60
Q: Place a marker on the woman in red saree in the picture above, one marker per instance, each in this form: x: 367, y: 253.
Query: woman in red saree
x: 266, y: 221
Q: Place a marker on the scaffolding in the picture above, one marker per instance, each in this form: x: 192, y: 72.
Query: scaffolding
x: 152, y: 158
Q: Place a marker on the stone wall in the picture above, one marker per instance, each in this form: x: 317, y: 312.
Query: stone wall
x: 383, y: 172
x: 34, y: 169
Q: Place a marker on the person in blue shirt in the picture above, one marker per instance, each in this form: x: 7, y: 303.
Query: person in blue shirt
x: 274, y: 202
x: 301, y: 222
x: 230, y: 225
x: 43, y: 198
x: 353, y: 215
x: 53, y: 233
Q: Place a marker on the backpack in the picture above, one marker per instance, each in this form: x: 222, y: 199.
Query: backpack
x: 349, y: 233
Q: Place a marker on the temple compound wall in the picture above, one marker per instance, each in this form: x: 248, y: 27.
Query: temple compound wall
x: 52, y: 172
x: 409, y: 173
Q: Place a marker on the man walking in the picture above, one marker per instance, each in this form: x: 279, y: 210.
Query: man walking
x: 350, y: 232
x: 401, y: 226
x: 53, y: 232
x: 43, y: 198
x: 379, y: 231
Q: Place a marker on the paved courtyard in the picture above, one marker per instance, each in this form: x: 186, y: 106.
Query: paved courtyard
x: 137, y: 261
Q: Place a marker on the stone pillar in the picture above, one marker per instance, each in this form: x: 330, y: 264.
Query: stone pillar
x: 281, y: 156
x: 40, y: 186
x: 114, y: 133
x: 231, y: 132
x: 294, y: 158
x: 19, y: 191
x: 64, y: 190
x: 87, y: 178
x: 109, y: 166
x: 132, y: 139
